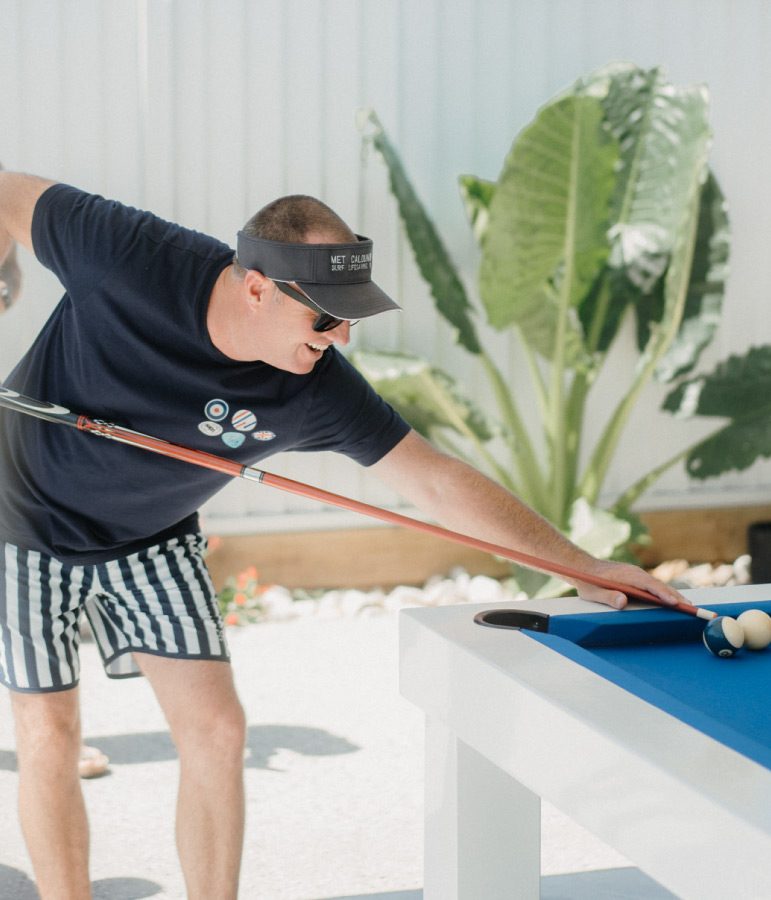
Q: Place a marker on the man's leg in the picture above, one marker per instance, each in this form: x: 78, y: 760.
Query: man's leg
x: 51, y: 807
x: 208, y: 727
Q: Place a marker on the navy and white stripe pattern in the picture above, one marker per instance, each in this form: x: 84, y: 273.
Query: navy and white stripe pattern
x: 158, y: 601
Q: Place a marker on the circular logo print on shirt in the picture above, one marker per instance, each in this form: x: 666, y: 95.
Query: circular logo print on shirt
x: 263, y: 435
x: 244, y: 420
x: 233, y: 439
x: 211, y: 429
x: 217, y: 410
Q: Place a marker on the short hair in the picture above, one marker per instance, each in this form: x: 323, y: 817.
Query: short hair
x: 291, y: 218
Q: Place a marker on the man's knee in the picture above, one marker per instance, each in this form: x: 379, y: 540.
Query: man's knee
x: 219, y: 731
x: 47, y: 725
x: 227, y: 728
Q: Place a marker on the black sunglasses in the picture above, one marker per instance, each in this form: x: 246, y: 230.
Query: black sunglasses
x: 324, y: 321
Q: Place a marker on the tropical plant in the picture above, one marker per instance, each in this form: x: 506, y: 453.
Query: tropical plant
x: 605, y: 207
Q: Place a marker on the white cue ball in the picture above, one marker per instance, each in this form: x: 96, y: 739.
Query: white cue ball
x: 756, y: 626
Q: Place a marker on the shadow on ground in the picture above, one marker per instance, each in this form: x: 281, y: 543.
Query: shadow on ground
x: 17, y: 885
x: 262, y: 742
x: 603, y: 884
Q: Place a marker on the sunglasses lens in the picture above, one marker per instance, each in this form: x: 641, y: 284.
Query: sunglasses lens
x: 325, y: 322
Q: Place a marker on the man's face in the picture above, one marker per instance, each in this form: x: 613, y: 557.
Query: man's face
x: 286, y: 336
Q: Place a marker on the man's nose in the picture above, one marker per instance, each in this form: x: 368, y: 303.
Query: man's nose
x: 341, y: 334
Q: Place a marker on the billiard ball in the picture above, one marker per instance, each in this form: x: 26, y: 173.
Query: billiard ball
x: 723, y: 636
x: 756, y: 626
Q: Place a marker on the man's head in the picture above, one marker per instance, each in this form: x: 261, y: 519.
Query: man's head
x: 301, y: 278
x: 295, y: 220
x: 309, y: 252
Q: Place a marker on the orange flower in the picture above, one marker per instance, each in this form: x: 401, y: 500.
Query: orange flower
x: 252, y: 573
x: 242, y: 580
x: 231, y: 619
x: 240, y: 599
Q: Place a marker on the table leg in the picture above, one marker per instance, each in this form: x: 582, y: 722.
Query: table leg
x: 483, y: 828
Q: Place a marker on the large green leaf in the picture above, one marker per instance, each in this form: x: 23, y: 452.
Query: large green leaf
x: 703, y: 305
x: 660, y: 130
x: 675, y: 292
x: 739, y: 390
x: 425, y: 396
x: 548, y: 218
x: 431, y: 256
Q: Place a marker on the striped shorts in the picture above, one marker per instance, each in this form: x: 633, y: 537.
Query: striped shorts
x: 160, y: 601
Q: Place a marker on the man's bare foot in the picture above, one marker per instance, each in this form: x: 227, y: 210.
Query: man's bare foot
x: 92, y: 762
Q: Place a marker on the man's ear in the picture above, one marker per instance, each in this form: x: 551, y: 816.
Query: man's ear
x: 256, y: 285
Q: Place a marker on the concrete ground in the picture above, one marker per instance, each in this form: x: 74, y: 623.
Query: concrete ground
x: 333, y: 778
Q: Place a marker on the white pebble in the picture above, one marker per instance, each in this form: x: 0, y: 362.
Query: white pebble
x: 482, y: 589
x: 405, y: 595
x: 722, y: 575
x: 742, y: 569
x: 305, y: 609
x: 329, y: 606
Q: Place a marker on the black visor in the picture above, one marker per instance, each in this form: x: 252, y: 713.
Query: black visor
x: 337, y: 277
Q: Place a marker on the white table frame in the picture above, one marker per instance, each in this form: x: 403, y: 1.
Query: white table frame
x: 510, y: 721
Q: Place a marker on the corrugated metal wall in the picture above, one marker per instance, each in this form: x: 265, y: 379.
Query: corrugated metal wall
x: 203, y: 111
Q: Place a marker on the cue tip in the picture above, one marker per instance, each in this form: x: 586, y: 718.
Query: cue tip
x: 705, y: 613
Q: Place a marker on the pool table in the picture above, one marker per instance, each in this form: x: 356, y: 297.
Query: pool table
x: 621, y: 719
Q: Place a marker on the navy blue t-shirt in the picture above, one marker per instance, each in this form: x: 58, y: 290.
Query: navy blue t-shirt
x: 128, y: 343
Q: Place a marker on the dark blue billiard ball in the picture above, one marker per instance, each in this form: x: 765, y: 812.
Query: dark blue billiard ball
x: 723, y: 636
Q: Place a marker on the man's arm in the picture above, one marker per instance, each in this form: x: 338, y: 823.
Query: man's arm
x: 460, y: 498
x: 18, y: 196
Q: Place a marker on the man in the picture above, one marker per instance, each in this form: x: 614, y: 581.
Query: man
x: 162, y: 330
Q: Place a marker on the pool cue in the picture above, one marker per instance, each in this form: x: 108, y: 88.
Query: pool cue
x: 50, y: 412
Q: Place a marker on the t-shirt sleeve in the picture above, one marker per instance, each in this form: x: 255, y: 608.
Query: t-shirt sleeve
x: 80, y: 236
x: 347, y: 416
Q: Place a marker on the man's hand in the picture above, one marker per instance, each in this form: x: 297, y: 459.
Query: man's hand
x: 10, y: 280
x: 10, y: 273
x: 625, y: 573
x: 18, y: 195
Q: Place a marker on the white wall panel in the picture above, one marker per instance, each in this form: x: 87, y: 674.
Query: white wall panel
x: 204, y: 111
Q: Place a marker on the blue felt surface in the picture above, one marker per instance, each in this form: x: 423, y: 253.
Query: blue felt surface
x: 658, y: 655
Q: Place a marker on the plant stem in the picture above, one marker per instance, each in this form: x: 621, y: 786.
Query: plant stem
x: 535, y: 376
x: 531, y: 478
x: 460, y: 426
x: 600, y: 314
x: 574, y: 416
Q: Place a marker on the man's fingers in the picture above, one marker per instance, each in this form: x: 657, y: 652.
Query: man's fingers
x: 601, y: 595
x: 10, y: 280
